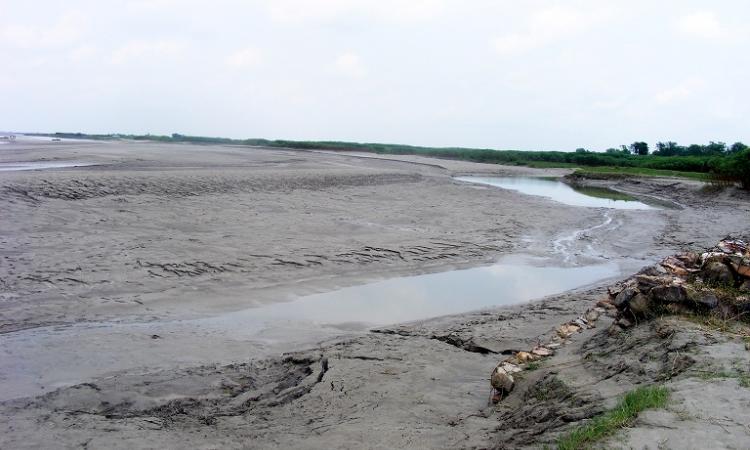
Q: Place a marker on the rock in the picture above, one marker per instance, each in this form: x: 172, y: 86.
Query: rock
x: 689, y: 259
x: 624, y: 323
x: 717, y: 272
x: 677, y: 308
x: 745, y: 286
x: 733, y: 261
x: 678, y: 271
x: 525, y: 357
x: 656, y: 270
x: 640, y: 305
x: 542, y: 351
x: 744, y: 270
x: 675, y: 266
x: 509, y: 367
x: 668, y: 294
x: 592, y: 315
x: 705, y: 299
x: 605, y: 304
x: 623, y: 298
x: 612, y: 291
x: 564, y: 331
x: 502, y: 382
x: 734, y: 246
x: 742, y: 304
x: 646, y: 283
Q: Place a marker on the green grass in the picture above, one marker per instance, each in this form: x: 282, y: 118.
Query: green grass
x: 549, y: 165
x: 633, y: 402
x: 603, y: 193
x: 644, y: 171
x: 741, y: 377
x: 533, y: 365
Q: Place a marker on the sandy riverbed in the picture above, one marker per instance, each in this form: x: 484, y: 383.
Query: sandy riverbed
x: 158, y: 233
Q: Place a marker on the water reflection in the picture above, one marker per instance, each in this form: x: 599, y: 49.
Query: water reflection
x: 10, y: 167
x: 563, y: 193
x: 423, y: 296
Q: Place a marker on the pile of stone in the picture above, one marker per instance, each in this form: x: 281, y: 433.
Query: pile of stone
x: 716, y: 281
x: 502, y: 378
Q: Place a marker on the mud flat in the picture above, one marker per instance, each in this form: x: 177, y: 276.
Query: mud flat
x: 156, y: 234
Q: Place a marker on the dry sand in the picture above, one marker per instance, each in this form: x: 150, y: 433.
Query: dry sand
x: 156, y: 234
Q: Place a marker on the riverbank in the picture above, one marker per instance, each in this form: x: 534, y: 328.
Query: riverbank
x: 160, y: 233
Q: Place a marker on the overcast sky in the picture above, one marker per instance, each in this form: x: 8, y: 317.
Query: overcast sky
x: 530, y: 74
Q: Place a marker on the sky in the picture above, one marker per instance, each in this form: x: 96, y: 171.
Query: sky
x: 531, y: 74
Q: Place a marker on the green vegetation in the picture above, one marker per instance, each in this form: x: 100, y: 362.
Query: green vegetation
x: 534, y: 365
x: 603, y: 193
x: 642, y: 171
x: 722, y: 163
x: 622, y: 415
x: 742, y: 377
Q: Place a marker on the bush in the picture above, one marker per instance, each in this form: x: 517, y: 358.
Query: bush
x: 734, y: 168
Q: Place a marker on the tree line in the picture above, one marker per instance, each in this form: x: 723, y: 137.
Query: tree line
x: 716, y: 159
x: 671, y: 148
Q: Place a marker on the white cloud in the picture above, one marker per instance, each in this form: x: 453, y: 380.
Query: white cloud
x: 82, y: 53
x: 548, y: 25
x: 350, y: 64
x: 302, y: 11
x: 705, y: 24
x: 681, y: 91
x: 247, y: 57
x: 66, y: 30
x: 142, y: 49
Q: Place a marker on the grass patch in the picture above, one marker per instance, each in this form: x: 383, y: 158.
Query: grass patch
x: 712, y: 322
x: 633, y: 402
x: 644, y: 171
x: 742, y: 377
x: 533, y: 365
x: 548, y: 389
x: 550, y: 165
x: 599, y: 192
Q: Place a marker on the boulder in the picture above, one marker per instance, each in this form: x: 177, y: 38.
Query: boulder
x: 542, y: 351
x: 624, y: 322
x: 689, y: 259
x: 623, y: 298
x: 715, y: 271
x: 702, y: 298
x: 564, y: 331
x: 742, y: 304
x: 734, y: 247
x: 592, y: 315
x: 657, y: 270
x: 640, y: 305
x: 502, y: 382
x: 525, y: 357
x: 645, y: 283
x: 510, y: 368
x: 668, y: 294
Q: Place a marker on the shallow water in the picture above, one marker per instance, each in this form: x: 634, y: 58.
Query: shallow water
x: 402, y: 299
x: 561, y: 192
x: 9, y: 167
x: 40, y: 359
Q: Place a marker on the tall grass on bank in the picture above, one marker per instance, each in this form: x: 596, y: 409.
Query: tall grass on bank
x: 646, y: 172
x: 732, y: 168
x: 623, y: 414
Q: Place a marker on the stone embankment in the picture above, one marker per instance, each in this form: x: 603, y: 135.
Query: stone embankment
x: 714, y: 283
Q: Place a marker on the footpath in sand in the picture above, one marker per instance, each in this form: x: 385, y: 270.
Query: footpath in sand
x: 158, y: 233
